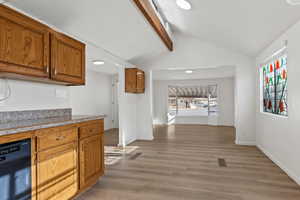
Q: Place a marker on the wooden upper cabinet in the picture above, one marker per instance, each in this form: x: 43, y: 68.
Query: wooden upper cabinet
x: 24, y: 44
x: 32, y: 51
x: 67, y: 59
x: 134, y: 80
x: 140, y: 81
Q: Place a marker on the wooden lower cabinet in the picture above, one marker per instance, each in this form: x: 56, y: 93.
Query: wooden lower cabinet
x: 57, y: 173
x: 69, y: 159
x: 66, y: 160
x: 91, y: 160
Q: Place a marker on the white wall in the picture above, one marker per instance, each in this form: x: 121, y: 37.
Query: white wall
x: 127, y: 113
x: 225, y: 98
x: 190, y: 52
x: 115, y: 100
x: 279, y: 137
x: 27, y: 95
x: 32, y: 95
x: 94, y: 98
x: 127, y: 102
x: 144, y: 110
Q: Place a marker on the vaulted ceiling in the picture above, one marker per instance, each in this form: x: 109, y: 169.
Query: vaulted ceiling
x: 245, y: 26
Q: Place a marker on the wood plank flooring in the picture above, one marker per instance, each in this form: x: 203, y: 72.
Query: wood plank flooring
x: 182, y: 163
x: 111, y: 137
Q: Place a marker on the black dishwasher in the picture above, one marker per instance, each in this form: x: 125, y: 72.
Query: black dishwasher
x: 15, y: 170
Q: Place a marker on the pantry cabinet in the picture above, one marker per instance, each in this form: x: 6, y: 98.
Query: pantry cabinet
x: 30, y: 50
x: 134, y: 80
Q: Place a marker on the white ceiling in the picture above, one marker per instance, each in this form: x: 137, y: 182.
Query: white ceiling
x: 245, y: 26
x: 198, y: 73
x: 117, y: 26
x: 106, y: 68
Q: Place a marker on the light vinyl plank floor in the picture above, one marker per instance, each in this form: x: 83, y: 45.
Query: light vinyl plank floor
x: 182, y: 164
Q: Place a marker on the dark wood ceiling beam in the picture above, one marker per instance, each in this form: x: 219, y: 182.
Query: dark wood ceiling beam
x: 148, y: 11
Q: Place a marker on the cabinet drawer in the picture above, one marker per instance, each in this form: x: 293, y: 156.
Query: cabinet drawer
x: 52, y: 137
x: 91, y: 129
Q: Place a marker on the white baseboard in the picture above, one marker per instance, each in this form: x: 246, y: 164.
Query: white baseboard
x: 130, y: 141
x: 159, y: 123
x: 148, y: 138
x: 289, y: 172
x: 245, y: 143
x: 135, y: 139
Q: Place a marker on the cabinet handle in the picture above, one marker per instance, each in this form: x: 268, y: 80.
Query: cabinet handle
x: 60, y: 138
x: 55, y: 71
x: 47, y: 69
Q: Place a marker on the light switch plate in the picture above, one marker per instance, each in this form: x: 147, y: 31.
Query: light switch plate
x: 61, y: 93
x: 293, y: 2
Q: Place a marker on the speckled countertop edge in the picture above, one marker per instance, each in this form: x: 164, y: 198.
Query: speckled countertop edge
x: 73, y: 120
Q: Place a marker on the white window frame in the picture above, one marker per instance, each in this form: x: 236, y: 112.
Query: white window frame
x: 280, y: 52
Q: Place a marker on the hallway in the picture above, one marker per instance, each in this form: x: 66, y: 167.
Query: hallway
x: 194, y: 162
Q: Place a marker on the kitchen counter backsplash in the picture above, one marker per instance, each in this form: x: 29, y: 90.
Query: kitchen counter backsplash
x: 12, y: 116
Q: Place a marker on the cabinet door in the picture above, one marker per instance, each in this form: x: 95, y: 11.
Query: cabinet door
x: 57, y: 174
x: 140, y: 81
x: 130, y: 80
x: 67, y: 59
x: 24, y: 44
x: 91, y: 160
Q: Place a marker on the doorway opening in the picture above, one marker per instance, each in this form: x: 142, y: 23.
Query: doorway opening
x: 189, y: 104
x: 112, y: 135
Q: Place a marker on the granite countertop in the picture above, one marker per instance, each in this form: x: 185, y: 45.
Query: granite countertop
x: 35, y: 124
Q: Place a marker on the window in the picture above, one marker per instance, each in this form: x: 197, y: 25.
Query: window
x: 192, y: 100
x: 274, y: 81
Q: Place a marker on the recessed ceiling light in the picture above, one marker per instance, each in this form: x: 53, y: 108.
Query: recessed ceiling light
x: 98, y: 62
x: 183, y: 4
x: 293, y: 2
x: 188, y: 71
